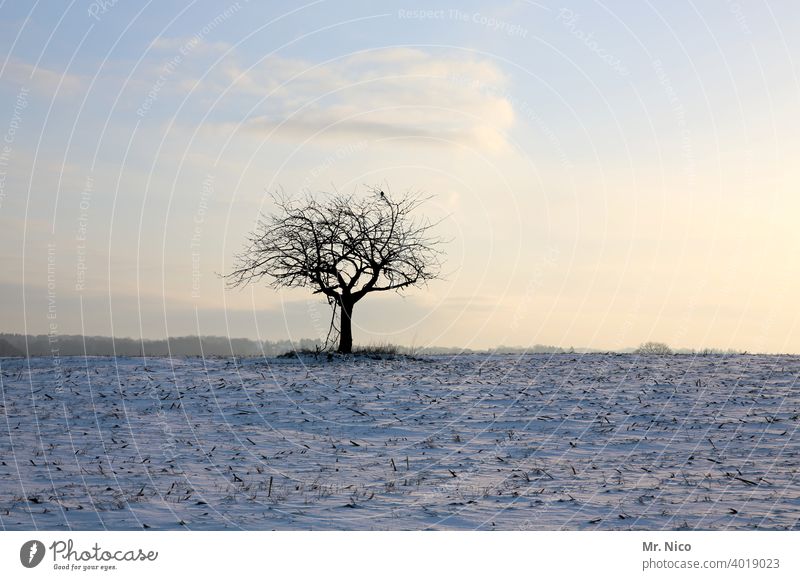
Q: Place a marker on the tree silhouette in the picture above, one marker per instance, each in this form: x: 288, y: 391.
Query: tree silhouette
x: 653, y: 348
x: 344, y: 247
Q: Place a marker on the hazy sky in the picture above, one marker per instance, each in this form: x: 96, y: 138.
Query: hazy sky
x: 609, y: 172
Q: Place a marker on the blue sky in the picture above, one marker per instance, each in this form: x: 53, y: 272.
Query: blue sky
x: 610, y: 172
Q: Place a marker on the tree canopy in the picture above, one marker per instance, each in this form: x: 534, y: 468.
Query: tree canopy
x: 343, y: 246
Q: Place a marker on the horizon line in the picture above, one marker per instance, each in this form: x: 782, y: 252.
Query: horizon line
x: 311, y: 342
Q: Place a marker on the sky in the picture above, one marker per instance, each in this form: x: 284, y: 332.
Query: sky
x: 606, y: 173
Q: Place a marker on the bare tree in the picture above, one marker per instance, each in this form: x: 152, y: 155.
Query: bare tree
x: 342, y: 246
x: 653, y: 348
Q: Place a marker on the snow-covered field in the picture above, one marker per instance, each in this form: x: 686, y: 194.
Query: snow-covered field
x: 471, y: 442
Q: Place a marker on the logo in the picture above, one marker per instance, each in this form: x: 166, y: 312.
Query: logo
x: 31, y: 553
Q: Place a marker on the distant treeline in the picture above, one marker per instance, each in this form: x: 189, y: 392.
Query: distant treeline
x: 77, y: 345
x: 221, y: 346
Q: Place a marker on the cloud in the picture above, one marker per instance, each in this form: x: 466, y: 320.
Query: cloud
x: 40, y: 78
x: 391, y: 93
x: 383, y: 124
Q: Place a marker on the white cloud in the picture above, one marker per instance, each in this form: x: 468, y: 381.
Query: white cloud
x: 40, y: 78
x: 389, y: 93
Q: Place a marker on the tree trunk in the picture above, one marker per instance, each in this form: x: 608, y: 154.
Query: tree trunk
x: 346, y: 327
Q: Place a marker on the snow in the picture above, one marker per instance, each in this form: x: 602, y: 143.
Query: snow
x: 549, y: 442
